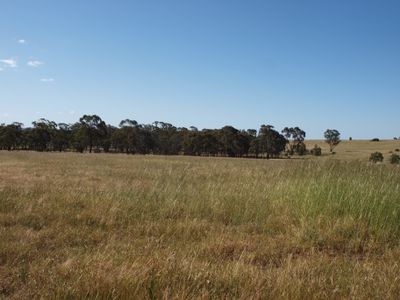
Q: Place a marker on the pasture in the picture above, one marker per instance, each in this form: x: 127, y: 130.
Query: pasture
x: 114, y: 226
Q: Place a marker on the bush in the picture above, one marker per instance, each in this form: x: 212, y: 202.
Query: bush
x: 395, y: 159
x: 299, y: 149
x: 376, y: 157
x: 375, y: 140
x: 317, y: 151
x: 396, y: 150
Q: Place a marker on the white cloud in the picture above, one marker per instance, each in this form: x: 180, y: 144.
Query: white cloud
x: 21, y: 41
x: 34, y: 63
x: 47, y: 80
x: 9, y: 63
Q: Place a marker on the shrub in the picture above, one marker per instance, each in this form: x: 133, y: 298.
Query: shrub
x: 300, y: 149
x: 317, y: 151
x: 375, y: 140
x: 350, y: 138
x: 395, y: 159
x: 396, y: 150
x: 376, y: 157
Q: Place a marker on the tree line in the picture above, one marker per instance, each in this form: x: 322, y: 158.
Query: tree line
x: 92, y: 134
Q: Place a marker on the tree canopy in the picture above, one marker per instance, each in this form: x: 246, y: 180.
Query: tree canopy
x: 332, y: 137
x: 92, y: 134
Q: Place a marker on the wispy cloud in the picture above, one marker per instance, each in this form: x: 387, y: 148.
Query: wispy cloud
x: 34, y: 63
x: 21, y: 41
x: 47, y: 80
x: 11, y: 63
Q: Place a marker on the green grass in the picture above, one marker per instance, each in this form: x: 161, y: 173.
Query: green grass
x: 150, y: 227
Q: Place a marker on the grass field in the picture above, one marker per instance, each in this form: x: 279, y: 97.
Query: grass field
x: 150, y: 227
x: 358, y: 149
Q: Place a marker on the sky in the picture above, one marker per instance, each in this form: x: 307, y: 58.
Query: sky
x: 315, y: 64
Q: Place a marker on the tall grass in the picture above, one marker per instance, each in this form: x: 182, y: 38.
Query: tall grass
x: 116, y: 226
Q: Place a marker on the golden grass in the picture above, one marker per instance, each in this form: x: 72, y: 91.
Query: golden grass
x: 358, y: 149
x: 151, y: 227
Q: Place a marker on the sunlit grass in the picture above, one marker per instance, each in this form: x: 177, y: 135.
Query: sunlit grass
x: 119, y: 226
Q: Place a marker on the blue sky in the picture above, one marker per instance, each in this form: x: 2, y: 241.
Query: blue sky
x: 315, y: 64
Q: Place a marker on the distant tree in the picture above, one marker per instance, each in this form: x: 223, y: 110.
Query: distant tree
x: 106, y: 139
x: 62, y: 137
x: 228, y: 141
x: 254, y: 149
x: 169, y: 141
x: 297, y: 136
x: 79, y: 139
x: 376, y: 157
x: 332, y: 137
x: 94, y: 128
x: 42, y: 134
x: 91, y: 133
x: 243, y: 143
x: 126, y: 137
x: 271, y: 141
x: 146, y: 142
x: 375, y: 140
x: 207, y: 142
x: 10, y: 136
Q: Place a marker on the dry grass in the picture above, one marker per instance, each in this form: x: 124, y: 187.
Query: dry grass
x: 358, y: 149
x: 117, y: 226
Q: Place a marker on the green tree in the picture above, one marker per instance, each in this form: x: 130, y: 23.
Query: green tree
x: 42, y: 134
x: 271, y: 141
x: 126, y: 137
x: 93, y: 129
x: 332, y: 137
x: 296, y: 137
x: 61, y: 137
x: 228, y: 141
x: 10, y: 136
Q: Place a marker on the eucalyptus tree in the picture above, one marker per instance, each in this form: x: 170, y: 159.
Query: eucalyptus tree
x: 62, y: 137
x: 10, y: 136
x: 42, y: 134
x: 296, y: 137
x: 271, y: 142
x: 93, y: 129
x: 332, y: 137
x: 126, y: 137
